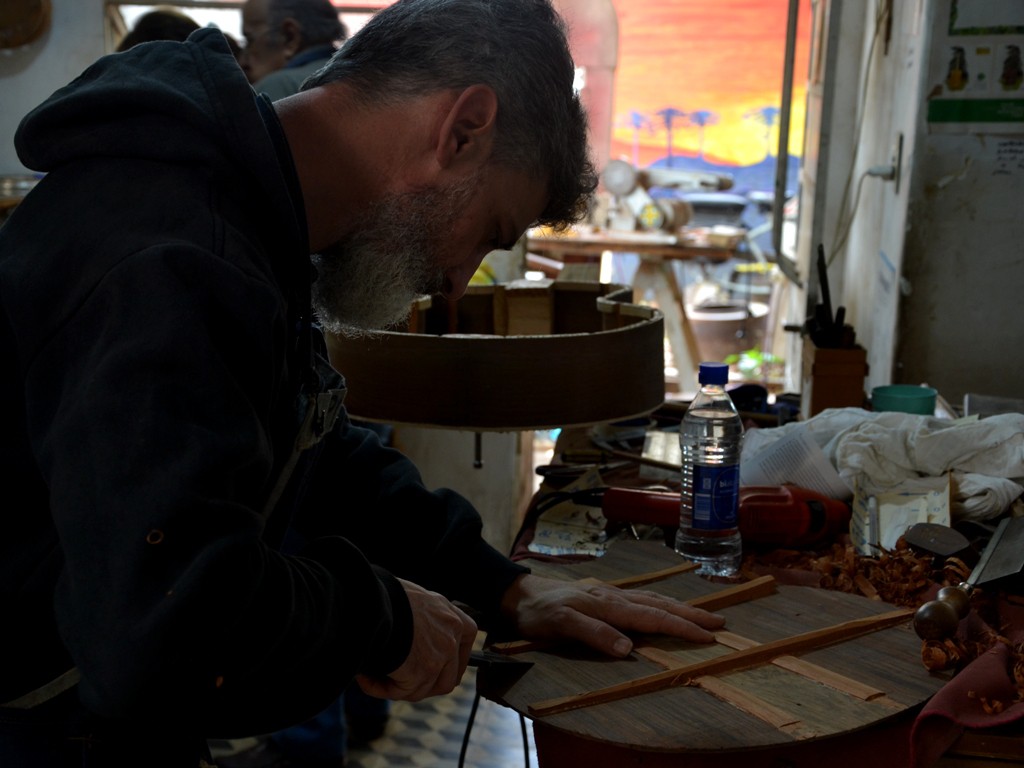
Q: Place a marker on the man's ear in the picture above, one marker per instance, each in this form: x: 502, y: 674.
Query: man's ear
x: 292, y: 34
x: 467, y: 131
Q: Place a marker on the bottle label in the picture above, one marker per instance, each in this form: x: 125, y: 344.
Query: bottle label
x: 716, y: 493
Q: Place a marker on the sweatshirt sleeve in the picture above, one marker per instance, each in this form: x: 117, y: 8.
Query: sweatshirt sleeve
x: 149, y: 404
x: 375, y: 497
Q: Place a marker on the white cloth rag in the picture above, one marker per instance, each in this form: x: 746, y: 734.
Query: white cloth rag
x: 889, y: 451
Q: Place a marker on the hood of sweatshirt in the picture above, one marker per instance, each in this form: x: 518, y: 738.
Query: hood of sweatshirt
x: 154, y: 101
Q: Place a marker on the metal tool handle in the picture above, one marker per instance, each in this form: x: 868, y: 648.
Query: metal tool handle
x: 938, y: 619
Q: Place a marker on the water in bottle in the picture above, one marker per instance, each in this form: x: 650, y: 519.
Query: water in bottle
x: 709, y: 438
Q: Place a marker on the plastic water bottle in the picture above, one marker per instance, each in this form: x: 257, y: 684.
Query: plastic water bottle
x: 709, y: 438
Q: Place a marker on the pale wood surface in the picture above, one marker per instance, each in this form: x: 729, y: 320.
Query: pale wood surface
x: 757, y: 654
x: 658, y: 245
x: 690, y: 718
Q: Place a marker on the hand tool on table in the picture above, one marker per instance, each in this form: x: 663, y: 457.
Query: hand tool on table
x: 1003, y: 556
x: 485, y: 659
x: 940, y: 541
x: 824, y: 329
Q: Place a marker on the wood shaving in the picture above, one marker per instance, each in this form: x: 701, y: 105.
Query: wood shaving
x: 902, y: 577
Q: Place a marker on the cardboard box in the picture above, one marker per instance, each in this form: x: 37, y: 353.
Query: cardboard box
x: 832, y: 378
x: 879, y: 518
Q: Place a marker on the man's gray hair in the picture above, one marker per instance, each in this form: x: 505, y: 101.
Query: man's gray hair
x: 318, y: 19
x: 517, y: 47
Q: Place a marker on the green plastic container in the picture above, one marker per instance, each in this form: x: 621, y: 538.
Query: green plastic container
x: 905, y: 398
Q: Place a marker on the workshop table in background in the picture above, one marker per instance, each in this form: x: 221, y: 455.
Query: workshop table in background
x: 13, y: 188
x: 579, y: 254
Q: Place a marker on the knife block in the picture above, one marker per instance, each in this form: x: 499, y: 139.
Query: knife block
x: 832, y: 378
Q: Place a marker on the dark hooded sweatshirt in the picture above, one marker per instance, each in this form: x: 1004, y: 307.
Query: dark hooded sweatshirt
x: 154, y: 293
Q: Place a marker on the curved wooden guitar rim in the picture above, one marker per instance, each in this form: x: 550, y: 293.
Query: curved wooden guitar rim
x: 535, y: 380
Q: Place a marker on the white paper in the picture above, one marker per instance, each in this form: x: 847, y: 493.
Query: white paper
x: 797, y: 460
x: 569, y: 528
x: 881, y: 517
x: 864, y: 524
x: 661, y: 446
x: 898, y: 512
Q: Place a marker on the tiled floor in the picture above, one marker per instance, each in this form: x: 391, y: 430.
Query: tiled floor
x: 431, y: 733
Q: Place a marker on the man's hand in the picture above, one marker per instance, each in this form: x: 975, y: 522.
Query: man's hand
x: 548, y: 609
x: 442, y: 637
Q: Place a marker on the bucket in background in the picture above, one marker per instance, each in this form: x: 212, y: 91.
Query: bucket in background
x: 728, y: 328
x: 904, y: 398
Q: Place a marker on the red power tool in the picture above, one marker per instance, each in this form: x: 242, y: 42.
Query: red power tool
x: 769, y: 515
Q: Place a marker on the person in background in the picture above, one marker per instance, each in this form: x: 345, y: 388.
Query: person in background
x: 286, y: 41
x: 204, y: 545
x: 161, y: 24
x: 167, y: 24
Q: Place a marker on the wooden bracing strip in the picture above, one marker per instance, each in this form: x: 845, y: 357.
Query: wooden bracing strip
x: 649, y: 578
x: 750, y: 657
x: 834, y: 680
x: 806, y: 669
x: 741, y: 593
x: 784, y: 721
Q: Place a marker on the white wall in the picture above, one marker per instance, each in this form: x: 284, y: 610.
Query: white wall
x: 931, y: 274
x: 500, y: 489
x: 28, y: 75
x: 891, y: 80
x: 961, y: 324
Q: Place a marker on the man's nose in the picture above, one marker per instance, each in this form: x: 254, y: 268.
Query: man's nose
x: 456, y: 279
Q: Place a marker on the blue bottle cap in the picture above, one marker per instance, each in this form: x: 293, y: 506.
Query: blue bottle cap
x: 713, y: 373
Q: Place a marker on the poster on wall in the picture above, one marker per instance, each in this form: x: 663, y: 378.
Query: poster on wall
x: 976, y: 74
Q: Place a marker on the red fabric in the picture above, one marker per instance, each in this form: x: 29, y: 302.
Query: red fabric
x: 959, y: 705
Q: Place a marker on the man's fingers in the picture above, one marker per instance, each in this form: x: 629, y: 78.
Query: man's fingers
x: 673, y: 607
x: 373, y: 686
x: 412, y: 689
x: 595, y: 632
x: 601, y: 615
x: 443, y: 636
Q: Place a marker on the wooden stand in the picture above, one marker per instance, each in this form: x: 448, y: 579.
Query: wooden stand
x: 832, y: 378
x: 581, y: 254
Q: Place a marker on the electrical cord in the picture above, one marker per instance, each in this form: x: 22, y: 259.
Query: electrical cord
x: 887, y: 172
x: 526, y: 741
x: 469, y: 728
x: 589, y: 495
x: 840, y: 238
x: 844, y: 227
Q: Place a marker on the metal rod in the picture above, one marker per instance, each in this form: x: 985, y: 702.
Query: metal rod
x: 782, y: 154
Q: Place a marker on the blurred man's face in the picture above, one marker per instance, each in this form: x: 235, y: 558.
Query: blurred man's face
x: 370, y: 279
x: 264, y: 47
x: 420, y: 243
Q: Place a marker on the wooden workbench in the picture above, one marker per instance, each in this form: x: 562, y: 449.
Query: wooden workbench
x: 580, y: 253
x: 852, y: 706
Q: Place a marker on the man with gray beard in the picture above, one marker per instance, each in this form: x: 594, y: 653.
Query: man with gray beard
x: 369, y: 280
x: 204, y: 545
